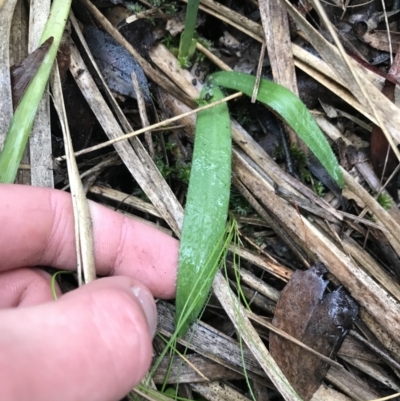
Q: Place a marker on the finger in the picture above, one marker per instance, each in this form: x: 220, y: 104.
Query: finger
x: 92, y: 344
x: 37, y: 229
x: 25, y: 287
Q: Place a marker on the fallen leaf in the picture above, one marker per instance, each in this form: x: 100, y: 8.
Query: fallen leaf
x: 23, y: 73
x: 318, y: 320
x: 379, y: 40
x: 115, y: 63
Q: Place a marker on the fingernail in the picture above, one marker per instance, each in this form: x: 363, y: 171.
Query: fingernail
x: 149, y: 307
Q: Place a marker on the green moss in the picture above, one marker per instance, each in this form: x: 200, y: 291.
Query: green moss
x: 385, y: 201
x: 299, y: 160
x: 136, y: 8
x: 172, y: 44
x: 238, y: 204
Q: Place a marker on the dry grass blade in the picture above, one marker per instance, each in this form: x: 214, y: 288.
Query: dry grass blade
x: 376, y: 209
x: 40, y: 139
x: 83, y: 222
x: 217, y: 391
x: 250, y: 336
x: 368, y: 94
x: 142, y: 113
x: 151, y: 127
x: 258, y: 74
x: 130, y: 200
x: 234, y: 17
x: 277, y: 39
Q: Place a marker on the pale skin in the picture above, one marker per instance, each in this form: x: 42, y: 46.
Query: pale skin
x: 94, y: 343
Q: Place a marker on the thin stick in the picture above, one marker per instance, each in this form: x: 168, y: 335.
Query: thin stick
x: 83, y: 223
x: 142, y: 113
x: 211, y: 56
x: 258, y: 75
x: 152, y: 127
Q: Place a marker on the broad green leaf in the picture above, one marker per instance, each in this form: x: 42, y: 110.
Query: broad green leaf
x: 291, y: 109
x: 202, y: 240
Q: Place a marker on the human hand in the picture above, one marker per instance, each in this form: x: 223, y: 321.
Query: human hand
x: 94, y: 343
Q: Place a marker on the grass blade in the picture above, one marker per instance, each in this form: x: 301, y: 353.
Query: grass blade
x: 204, y: 223
x: 186, y: 43
x: 289, y: 108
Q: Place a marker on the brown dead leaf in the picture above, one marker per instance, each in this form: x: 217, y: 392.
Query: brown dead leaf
x: 23, y: 73
x: 319, y: 321
x: 379, y: 40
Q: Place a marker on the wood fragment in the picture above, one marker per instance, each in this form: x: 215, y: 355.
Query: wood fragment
x: 279, y: 46
x: 352, y: 385
x: 217, y: 391
x: 181, y: 372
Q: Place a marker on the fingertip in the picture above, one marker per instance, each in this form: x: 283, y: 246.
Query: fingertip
x: 98, y: 332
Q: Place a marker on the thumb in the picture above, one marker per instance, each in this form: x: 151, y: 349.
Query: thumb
x: 94, y: 344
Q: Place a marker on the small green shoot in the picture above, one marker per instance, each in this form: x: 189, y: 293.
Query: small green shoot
x: 53, y: 282
x: 188, y: 44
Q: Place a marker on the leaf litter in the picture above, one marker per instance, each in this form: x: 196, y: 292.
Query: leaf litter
x: 290, y: 237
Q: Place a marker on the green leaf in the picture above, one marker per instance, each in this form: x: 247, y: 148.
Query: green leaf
x: 203, y: 239
x: 290, y: 109
x: 186, y: 43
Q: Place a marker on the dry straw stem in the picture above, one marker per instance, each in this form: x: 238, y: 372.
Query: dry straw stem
x: 152, y: 127
x: 277, y: 39
x: 142, y: 113
x: 40, y: 149
x: 383, y: 337
x: 217, y: 391
x: 122, y: 198
x: 258, y: 73
x: 83, y: 223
